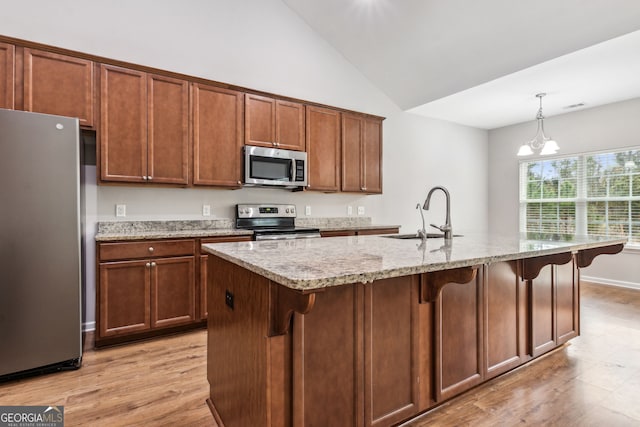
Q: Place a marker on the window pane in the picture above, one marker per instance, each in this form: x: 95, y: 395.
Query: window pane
x: 605, y: 186
x: 619, y: 185
x: 568, y: 188
x: 636, y: 185
x: 596, y: 186
x: 534, y: 190
x: 619, y: 211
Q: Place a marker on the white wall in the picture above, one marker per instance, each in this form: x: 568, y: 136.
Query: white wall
x: 608, y: 127
x: 262, y: 44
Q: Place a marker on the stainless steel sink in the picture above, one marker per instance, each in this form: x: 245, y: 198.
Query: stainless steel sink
x: 415, y: 236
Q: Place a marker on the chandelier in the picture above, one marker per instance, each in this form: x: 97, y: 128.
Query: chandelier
x: 541, y: 142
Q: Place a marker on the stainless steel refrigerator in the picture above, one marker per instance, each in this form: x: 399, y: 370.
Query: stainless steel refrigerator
x: 40, y: 243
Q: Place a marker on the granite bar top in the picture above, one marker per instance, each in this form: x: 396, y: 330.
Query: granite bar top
x: 310, y: 264
x: 109, y: 231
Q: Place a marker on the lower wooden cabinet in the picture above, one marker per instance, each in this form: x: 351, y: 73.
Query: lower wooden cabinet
x: 150, y: 287
x: 554, y: 306
x: 458, y: 325
x: 505, y: 318
x: 143, y: 295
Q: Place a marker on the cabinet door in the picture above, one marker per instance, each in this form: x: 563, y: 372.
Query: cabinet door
x: 168, y: 133
x: 372, y: 156
x: 58, y: 84
x: 260, y: 121
x: 327, y: 360
x: 542, y: 297
x: 352, y: 134
x: 391, y: 361
x: 323, y: 148
x: 505, y: 318
x: 290, y: 125
x: 123, y: 125
x: 458, y: 325
x: 567, y: 302
x: 7, y: 75
x: 172, y: 291
x: 217, y: 136
x: 123, y: 295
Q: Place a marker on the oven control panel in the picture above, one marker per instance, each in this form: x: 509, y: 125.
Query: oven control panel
x: 265, y: 211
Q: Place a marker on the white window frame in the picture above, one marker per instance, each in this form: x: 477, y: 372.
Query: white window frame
x: 581, y: 199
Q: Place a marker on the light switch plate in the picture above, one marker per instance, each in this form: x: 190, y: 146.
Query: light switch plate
x: 349, y: 210
x: 360, y: 210
x: 121, y: 210
x: 206, y: 210
x: 307, y: 210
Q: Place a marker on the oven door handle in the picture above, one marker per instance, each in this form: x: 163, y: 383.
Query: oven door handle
x: 283, y: 236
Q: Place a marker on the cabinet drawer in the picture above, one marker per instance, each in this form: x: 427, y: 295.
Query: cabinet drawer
x: 149, y: 249
x: 223, y: 239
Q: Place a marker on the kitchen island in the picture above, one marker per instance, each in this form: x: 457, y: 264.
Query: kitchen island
x: 370, y: 330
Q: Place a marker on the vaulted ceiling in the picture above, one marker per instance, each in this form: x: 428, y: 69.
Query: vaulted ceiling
x: 480, y: 63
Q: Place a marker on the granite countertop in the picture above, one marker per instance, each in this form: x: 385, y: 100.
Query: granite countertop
x: 309, y: 264
x: 109, y: 231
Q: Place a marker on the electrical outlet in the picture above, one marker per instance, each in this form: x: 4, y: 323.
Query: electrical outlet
x: 307, y: 210
x: 206, y: 210
x: 360, y: 210
x: 121, y: 210
x: 349, y: 210
x: 228, y: 299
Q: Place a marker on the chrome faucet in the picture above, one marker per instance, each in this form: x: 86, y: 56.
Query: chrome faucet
x: 422, y: 233
x: 446, y: 228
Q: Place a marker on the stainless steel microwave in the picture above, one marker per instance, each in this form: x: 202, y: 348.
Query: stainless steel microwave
x: 274, y: 166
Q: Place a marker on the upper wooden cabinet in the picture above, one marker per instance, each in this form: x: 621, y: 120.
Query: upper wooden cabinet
x: 58, y: 84
x: 271, y: 122
x: 143, y: 127
x: 7, y: 75
x: 217, y: 136
x: 361, y: 154
x: 323, y: 148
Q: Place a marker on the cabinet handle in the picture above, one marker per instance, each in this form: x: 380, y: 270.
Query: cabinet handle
x: 148, y: 264
x: 151, y: 249
x: 153, y: 264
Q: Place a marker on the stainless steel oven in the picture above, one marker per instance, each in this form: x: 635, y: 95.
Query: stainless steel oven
x: 272, y: 222
x: 274, y: 166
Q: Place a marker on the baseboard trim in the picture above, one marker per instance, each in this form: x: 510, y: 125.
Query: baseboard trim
x: 610, y: 282
x: 88, y: 326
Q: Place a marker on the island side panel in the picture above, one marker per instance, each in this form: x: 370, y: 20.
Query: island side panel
x: 459, y: 338
x: 391, y: 357
x: 505, y: 318
x: 237, y: 345
x: 567, y: 282
x: 327, y: 360
x: 542, y: 312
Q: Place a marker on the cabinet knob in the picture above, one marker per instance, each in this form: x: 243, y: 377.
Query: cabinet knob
x: 153, y: 264
x: 149, y: 178
x: 239, y: 182
x: 144, y: 177
x: 148, y: 264
x: 151, y: 249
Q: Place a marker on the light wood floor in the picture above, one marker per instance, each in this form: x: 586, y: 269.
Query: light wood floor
x: 593, y: 381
